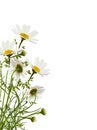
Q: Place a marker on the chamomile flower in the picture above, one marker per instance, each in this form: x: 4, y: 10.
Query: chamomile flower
x: 39, y: 67
x: 19, y: 68
x: 35, y: 92
x: 8, y: 48
x: 25, y: 33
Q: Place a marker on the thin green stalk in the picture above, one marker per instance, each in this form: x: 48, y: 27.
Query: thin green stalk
x: 28, y: 116
x: 28, y: 106
x: 13, y: 112
x: 19, y: 106
x: 25, y: 108
x: 0, y: 79
x: 11, y: 82
x: 0, y: 88
x: 5, y: 89
x: 9, y: 59
x: 22, y: 39
x: 31, y: 76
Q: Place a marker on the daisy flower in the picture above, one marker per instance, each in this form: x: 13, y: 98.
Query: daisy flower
x: 25, y: 33
x: 35, y: 92
x: 39, y: 67
x: 19, y: 68
x: 8, y: 48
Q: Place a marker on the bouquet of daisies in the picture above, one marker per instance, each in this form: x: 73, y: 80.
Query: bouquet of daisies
x: 17, y: 94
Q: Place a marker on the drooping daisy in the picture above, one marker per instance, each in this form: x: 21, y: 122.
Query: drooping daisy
x: 35, y: 91
x: 25, y: 33
x: 19, y: 68
x: 8, y: 48
x: 39, y: 67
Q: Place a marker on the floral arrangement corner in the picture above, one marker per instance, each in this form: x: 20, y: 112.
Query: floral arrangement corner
x: 17, y: 95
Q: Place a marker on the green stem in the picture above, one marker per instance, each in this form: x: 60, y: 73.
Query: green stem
x: 28, y: 116
x: 1, y: 90
x: 0, y: 79
x: 31, y: 76
x: 10, y: 114
x: 5, y: 89
x: 24, y: 110
x: 17, y: 108
x: 22, y: 39
x: 9, y: 59
x: 11, y: 82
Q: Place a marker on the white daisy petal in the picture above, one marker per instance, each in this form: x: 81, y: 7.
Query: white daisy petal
x: 45, y: 72
x: 41, y: 90
x: 14, y: 30
x: 18, y: 29
x: 42, y: 64
x: 28, y: 28
x: 34, y: 41
x: 36, y: 61
x: 34, y: 33
x: 24, y: 28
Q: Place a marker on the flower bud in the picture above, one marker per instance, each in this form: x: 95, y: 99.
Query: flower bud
x: 33, y: 119
x: 23, y: 53
x: 43, y: 111
x: 33, y: 91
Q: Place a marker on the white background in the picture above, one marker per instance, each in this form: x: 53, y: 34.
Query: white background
x: 68, y: 43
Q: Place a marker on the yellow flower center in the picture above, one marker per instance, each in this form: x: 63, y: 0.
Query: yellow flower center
x: 36, y: 69
x: 8, y: 52
x: 24, y: 35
